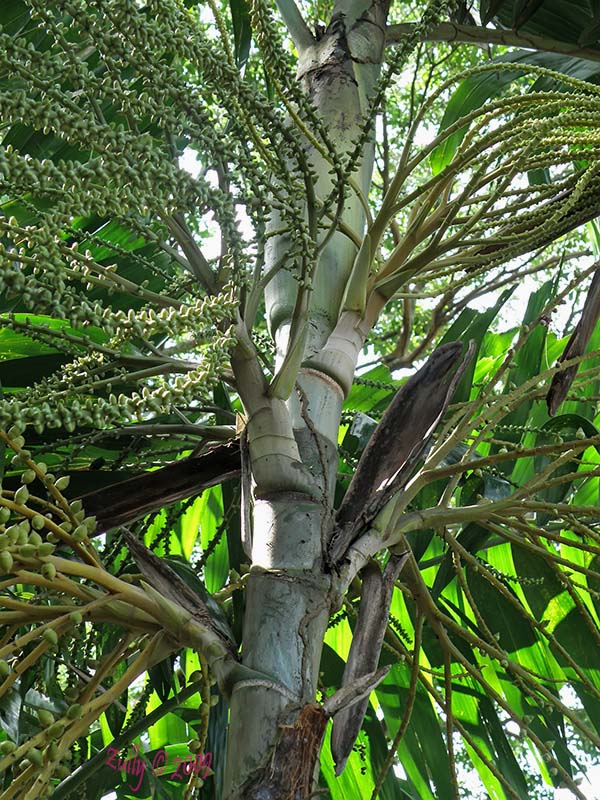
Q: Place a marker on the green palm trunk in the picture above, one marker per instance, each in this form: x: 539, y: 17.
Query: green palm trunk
x: 289, y: 595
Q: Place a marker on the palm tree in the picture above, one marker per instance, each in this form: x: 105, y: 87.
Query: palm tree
x: 216, y: 525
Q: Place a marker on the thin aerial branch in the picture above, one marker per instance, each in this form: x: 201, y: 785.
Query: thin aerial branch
x: 297, y: 27
x: 199, y: 265
x: 354, y: 692
x: 478, y: 35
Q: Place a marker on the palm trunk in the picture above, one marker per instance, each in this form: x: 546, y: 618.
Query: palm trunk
x: 275, y: 730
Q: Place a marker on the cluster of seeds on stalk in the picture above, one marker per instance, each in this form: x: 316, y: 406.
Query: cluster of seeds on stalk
x: 77, y: 406
x: 88, y: 86
x: 26, y: 517
x: 31, y: 527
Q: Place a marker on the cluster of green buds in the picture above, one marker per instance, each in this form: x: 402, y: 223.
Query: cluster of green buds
x: 75, y: 402
x: 35, y: 518
x: 41, y: 758
x: 200, y: 317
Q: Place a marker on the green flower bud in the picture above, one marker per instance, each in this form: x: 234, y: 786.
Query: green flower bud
x: 80, y: 533
x: 91, y: 524
x: 22, y: 495
x: 28, y: 476
x: 6, y: 561
x: 45, y: 717
x: 49, y: 571
x: 50, y: 634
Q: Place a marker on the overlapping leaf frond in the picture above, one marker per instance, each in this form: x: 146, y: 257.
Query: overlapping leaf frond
x: 494, y: 626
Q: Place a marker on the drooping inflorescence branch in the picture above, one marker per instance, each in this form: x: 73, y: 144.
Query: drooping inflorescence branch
x: 67, y: 597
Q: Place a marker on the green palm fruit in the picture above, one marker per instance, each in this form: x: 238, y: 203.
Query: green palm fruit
x: 56, y: 731
x: 74, y: 711
x: 6, y: 561
x: 45, y: 717
x: 51, y: 752
x: 50, y: 635
x: 35, y: 756
x: 49, y: 571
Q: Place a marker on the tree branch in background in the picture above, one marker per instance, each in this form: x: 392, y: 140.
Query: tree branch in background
x: 297, y: 27
x: 475, y: 34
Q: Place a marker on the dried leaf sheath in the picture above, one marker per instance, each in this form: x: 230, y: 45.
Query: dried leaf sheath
x: 398, y: 442
x: 123, y: 502
x: 561, y: 382
x: 377, y: 589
